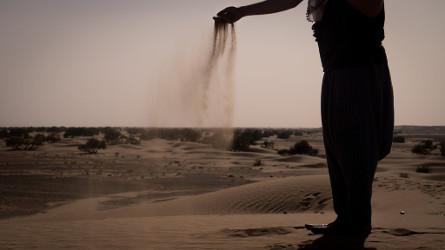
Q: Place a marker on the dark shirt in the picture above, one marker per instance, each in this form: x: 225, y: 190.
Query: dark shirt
x: 348, y: 38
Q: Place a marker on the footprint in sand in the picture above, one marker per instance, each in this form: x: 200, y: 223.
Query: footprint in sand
x: 308, y: 199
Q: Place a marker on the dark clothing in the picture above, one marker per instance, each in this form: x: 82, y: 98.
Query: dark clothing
x: 346, y: 37
x: 357, y: 114
x: 356, y: 105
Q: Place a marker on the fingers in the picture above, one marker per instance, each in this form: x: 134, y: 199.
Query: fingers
x: 228, y: 15
x: 218, y: 19
x: 222, y: 19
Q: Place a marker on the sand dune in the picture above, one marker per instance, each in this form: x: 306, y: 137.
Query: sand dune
x: 182, y: 195
x: 287, y: 195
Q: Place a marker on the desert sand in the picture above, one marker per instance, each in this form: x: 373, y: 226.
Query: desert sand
x: 184, y: 195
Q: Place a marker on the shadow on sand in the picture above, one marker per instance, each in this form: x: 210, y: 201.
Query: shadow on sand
x: 335, y: 242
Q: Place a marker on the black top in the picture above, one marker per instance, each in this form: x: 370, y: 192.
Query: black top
x: 348, y: 38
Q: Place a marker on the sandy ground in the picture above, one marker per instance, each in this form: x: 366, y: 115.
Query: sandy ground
x: 182, y: 195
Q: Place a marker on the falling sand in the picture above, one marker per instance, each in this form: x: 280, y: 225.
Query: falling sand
x: 220, y: 37
x: 197, y: 88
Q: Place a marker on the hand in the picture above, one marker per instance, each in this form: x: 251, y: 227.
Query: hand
x: 229, y: 15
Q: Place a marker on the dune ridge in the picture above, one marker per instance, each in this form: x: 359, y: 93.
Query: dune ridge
x: 285, y: 195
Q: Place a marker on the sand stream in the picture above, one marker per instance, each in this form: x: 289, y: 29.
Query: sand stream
x: 195, y: 88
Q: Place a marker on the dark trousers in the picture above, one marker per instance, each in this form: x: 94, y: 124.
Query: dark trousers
x: 358, y: 125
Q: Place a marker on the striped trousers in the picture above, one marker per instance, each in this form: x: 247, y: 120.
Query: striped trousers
x: 358, y: 124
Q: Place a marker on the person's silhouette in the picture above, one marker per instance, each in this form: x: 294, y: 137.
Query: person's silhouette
x: 357, y: 100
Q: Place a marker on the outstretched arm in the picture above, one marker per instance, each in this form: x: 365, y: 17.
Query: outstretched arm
x: 371, y: 8
x: 233, y: 14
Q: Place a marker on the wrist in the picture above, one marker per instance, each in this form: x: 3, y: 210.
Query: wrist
x: 243, y: 11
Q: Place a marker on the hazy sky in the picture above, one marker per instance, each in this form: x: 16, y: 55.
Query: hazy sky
x: 100, y: 62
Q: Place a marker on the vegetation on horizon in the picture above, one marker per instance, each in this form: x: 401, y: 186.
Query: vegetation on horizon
x: 398, y: 139
x: 238, y: 140
x: 21, y: 143
x: 301, y: 147
x: 80, y: 131
x: 92, y: 146
x: 425, y: 147
x: 242, y: 139
x: 20, y: 139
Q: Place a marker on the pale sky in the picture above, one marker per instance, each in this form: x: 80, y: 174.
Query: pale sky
x: 101, y: 62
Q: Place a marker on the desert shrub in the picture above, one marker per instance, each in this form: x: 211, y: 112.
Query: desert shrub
x: 242, y: 139
x: 18, y: 132
x: 420, y: 149
x: 21, y: 143
x: 241, y: 142
x: 92, y: 145
x: 301, y: 147
x: 442, y: 148
x: 134, y: 140
x: 284, y: 134
x: 424, y: 147
x: 398, y: 139
x: 429, y: 144
x: 4, y: 133
x: 298, y: 133
x: 423, y: 169
x: 111, y: 135
x: 255, y: 134
x: 53, y: 138
x: 80, y: 131
x: 39, y: 139
x: 15, y: 142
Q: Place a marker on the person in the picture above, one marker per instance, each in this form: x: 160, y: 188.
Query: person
x: 357, y: 107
